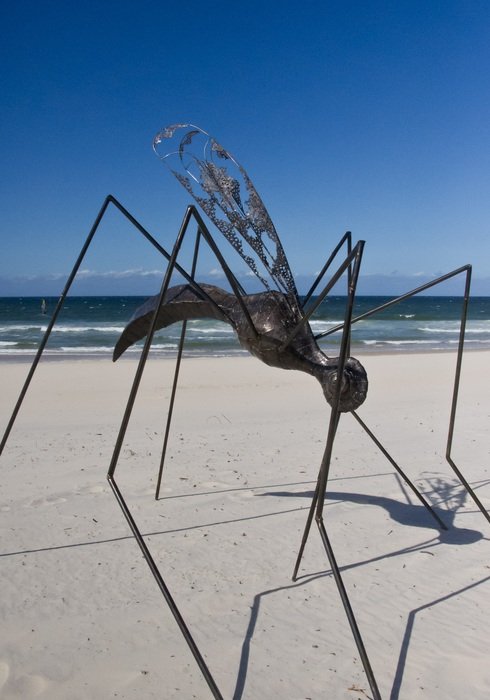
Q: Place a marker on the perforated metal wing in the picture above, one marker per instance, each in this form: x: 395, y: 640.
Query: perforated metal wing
x: 220, y: 186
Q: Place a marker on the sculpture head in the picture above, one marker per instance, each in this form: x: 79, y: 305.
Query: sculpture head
x: 354, y: 385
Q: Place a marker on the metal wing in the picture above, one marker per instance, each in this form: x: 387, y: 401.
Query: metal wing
x: 221, y: 186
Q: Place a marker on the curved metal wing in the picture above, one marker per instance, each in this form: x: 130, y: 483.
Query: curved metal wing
x: 181, y: 303
x: 220, y: 185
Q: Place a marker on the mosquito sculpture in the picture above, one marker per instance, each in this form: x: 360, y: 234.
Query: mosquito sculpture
x: 273, y: 325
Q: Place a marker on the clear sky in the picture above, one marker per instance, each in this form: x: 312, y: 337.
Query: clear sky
x: 368, y: 116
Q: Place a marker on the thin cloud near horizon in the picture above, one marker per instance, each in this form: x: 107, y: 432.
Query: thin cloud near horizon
x: 140, y: 281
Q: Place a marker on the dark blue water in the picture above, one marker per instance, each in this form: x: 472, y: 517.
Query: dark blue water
x: 92, y: 325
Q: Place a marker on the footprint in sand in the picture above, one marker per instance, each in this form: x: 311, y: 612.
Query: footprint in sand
x: 28, y: 687
x: 4, y: 673
x: 48, y: 501
x: 98, y: 488
x: 25, y: 687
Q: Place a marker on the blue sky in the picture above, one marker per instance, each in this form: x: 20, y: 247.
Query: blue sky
x: 368, y: 116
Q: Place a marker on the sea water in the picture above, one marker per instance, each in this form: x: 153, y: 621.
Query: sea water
x: 91, y: 326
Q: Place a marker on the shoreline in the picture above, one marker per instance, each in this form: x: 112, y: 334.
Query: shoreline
x: 28, y: 356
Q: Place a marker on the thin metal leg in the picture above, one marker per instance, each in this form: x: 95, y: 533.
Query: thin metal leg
x: 117, y: 450
x: 314, y: 501
x: 348, y: 610
x: 356, y: 257
x: 318, y: 500
x: 316, y: 509
x: 239, y: 293
x: 454, y: 402
x: 466, y: 270
x: 468, y: 488
x: 399, y: 470
x: 347, y: 237
x: 56, y: 313
x: 170, y: 408
x: 306, y: 532
x: 165, y: 592
x: 353, y: 258
x: 108, y: 200
x: 148, y: 341
x: 176, y: 377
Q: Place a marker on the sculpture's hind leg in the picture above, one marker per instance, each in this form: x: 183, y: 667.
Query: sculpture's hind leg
x: 466, y: 271
x: 390, y: 459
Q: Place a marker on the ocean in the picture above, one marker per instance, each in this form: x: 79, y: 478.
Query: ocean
x: 90, y: 326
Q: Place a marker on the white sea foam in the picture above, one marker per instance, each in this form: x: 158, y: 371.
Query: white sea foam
x: 85, y: 329
x: 322, y: 324
x: 30, y: 327
x: 431, y: 329
x: 82, y: 349
x: 408, y: 342
x: 226, y: 330
x: 467, y: 341
x: 62, y: 328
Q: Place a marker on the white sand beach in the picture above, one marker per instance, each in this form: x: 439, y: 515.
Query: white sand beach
x: 81, y: 615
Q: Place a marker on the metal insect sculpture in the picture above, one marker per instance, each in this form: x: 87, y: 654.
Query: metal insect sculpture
x: 273, y: 325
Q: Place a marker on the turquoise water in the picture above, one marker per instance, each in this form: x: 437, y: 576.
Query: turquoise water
x: 92, y: 325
